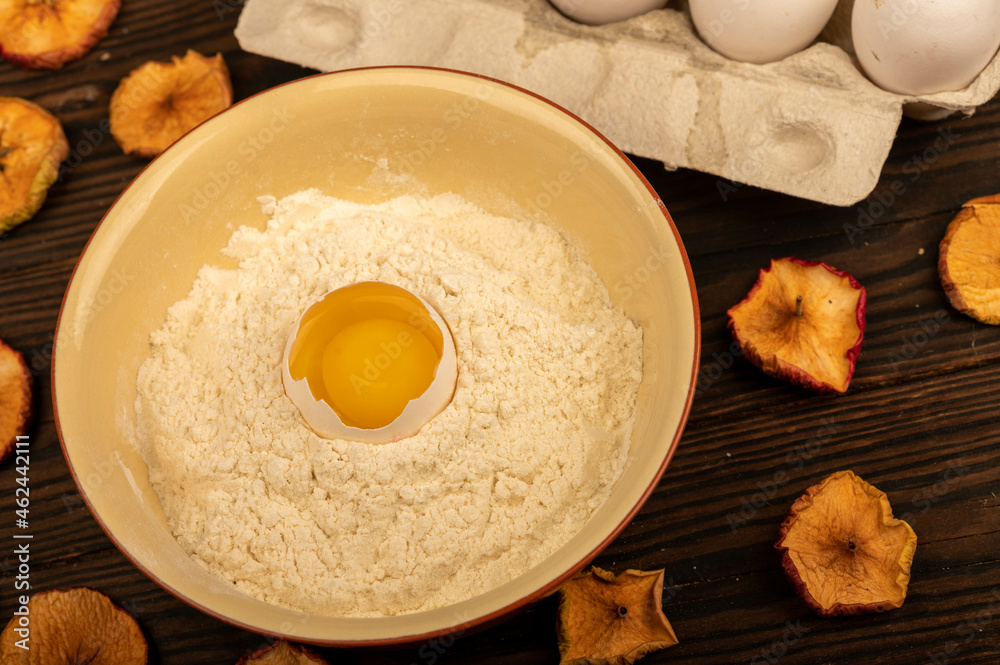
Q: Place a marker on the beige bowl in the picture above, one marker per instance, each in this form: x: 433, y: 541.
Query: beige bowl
x: 352, y: 134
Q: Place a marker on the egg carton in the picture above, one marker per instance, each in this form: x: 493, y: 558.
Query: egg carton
x: 810, y: 125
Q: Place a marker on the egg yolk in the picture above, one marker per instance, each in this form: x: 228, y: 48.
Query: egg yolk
x: 367, y: 350
x: 373, y: 368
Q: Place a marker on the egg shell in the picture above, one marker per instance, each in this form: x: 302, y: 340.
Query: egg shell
x: 323, y: 420
x: 599, y: 12
x: 760, y: 31
x: 923, y: 47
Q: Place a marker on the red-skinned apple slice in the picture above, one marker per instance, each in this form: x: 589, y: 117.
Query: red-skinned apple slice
x: 46, y: 34
x: 842, y: 549
x: 803, y: 322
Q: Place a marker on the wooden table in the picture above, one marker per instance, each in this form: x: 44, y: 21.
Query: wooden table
x: 920, y: 420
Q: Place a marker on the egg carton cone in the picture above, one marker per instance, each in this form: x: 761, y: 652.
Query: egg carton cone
x: 810, y: 125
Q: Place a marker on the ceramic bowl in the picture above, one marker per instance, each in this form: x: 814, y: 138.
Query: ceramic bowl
x: 506, y: 149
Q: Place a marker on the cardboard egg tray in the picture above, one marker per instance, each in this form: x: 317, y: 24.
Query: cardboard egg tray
x: 810, y: 125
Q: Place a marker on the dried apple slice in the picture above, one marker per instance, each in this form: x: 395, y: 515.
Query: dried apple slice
x: 46, y: 34
x: 70, y: 627
x: 803, y: 321
x: 16, y: 403
x: 608, y: 620
x: 842, y: 549
x: 282, y: 653
x: 32, y: 146
x: 970, y: 260
x: 159, y: 102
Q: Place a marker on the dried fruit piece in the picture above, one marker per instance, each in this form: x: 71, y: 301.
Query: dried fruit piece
x: 16, y: 403
x: 842, y: 549
x: 608, y: 620
x: 970, y: 260
x: 74, y: 626
x: 803, y: 321
x: 282, y: 653
x: 159, y: 102
x: 32, y: 146
x: 46, y: 34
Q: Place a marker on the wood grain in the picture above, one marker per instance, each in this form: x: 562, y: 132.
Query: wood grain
x: 920, y: 421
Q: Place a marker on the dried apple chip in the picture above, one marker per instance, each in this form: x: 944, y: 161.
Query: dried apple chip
x: 842, y: 549
x: 159, y: 102
x: 608, y: 620
x: 282, y: 653
x: 803, y: 322
x: 46, y: 34
x: 16, y: 403
x: 970, y: 260
x: 32, y: 146
x: 74, y: 626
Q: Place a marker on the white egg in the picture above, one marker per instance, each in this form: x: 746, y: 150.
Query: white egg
x: 352, y: 361
x: 920, y: 47
x: 599, y: 12
x: 760, y: 31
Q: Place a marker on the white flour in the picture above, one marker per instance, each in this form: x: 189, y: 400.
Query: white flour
x: 530, y: 447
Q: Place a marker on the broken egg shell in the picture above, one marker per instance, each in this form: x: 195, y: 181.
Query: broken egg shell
x: 324, y: 421
x: 770, y: 361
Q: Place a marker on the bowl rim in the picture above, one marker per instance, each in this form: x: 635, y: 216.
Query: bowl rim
x: 521, y: 604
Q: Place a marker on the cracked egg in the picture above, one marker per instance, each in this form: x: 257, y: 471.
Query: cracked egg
x: 370, y: 362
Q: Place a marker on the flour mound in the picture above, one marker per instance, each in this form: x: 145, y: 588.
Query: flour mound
x: 535, y: 438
